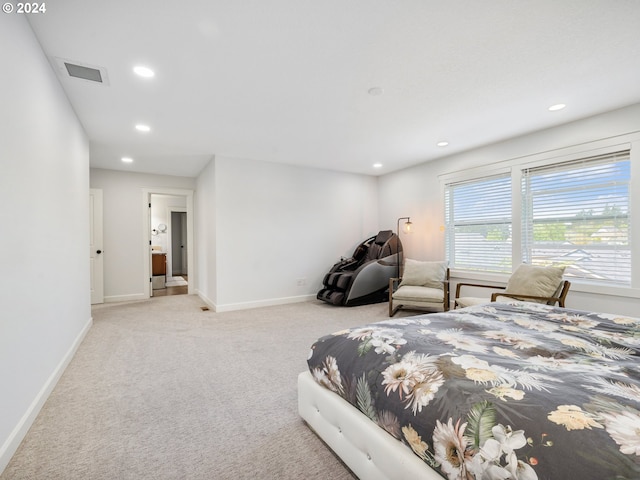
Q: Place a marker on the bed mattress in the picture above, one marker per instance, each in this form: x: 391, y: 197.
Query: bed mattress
x: 501, y: 390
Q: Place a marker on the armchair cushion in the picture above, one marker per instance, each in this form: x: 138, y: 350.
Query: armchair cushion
x: 535, y: 281
x: 470, y: 301
x: 413, y: 293
x: 423, y: 274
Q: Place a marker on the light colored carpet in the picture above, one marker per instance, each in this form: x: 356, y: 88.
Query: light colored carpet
x: 160, y: 389
x: 176, y: 282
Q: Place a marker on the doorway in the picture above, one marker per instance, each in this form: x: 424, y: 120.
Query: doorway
x: 168, y: 241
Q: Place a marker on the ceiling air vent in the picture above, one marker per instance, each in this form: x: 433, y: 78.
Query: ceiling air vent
x: 87, y: 73
x: 82, y: 71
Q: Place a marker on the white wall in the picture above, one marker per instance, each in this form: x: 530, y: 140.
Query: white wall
x: 278, y: 224
x: 124, y: 222
x: 417, y: 191
x: 205, y: 227
x: 44, y: 210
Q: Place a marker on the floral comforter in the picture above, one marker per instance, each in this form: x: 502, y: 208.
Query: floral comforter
x: 498, y: 391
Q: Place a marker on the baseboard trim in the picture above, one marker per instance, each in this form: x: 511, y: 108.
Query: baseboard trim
x: 210, y: 303
x: 125, y: 298
x: 257, y: 304
x: 263, y: 303
x: 8, y: 449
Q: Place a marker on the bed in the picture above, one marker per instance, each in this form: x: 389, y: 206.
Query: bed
x: 501, y: 390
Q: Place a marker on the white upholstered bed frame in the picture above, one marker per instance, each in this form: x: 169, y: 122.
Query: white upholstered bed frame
x: 369, y: 451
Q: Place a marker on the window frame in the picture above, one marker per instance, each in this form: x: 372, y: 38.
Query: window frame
x: 515, y: 165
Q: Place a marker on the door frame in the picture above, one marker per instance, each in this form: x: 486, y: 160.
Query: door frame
x: 146, y: 234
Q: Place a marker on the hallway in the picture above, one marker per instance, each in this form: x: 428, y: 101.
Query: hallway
x: 180, y: 290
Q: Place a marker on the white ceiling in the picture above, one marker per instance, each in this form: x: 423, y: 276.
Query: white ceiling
x: 288, y: 80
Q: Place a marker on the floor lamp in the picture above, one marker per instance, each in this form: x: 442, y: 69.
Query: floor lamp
x: 406, y: 228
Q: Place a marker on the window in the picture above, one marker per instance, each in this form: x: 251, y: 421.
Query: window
x: 478, y: 224
x: 576, y: 214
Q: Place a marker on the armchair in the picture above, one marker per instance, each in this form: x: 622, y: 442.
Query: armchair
x: 527, y: 283
x: 423, y: 285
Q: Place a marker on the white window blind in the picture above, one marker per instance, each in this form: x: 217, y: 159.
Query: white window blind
x: 576, y: 214
x: 478, y: 224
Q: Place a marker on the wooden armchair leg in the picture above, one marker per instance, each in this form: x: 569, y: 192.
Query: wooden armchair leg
x: 393, y: 309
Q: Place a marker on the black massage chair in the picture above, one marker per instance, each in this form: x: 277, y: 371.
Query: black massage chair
x: 364, y: 278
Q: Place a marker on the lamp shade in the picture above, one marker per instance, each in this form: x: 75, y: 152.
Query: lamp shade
x: 407, y: 227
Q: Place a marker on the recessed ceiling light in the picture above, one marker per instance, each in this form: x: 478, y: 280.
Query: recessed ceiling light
x: 377, y: 165
x: 143, y: 128
x: 556, y: 107
x: 375, y: 91
x: 143, y: 71
x: 442, y: 144
x: 127, y: 160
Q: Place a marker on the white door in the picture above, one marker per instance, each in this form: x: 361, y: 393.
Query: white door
x: 184, y: 243
x: 95, y: 246
x: 177, y: 263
